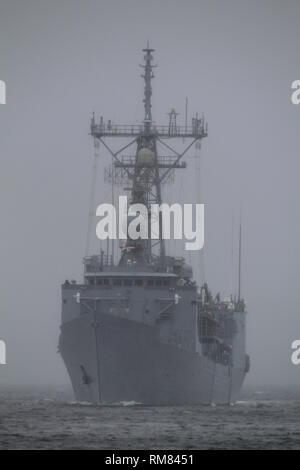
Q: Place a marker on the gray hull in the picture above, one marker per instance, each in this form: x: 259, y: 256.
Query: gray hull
x: 111, y: 359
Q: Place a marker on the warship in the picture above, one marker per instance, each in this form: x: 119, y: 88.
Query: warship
x: 141, y: 329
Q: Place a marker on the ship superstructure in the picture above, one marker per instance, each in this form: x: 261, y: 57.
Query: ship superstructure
x: 141, y: 329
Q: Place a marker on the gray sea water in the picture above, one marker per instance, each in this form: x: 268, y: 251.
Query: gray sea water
x: 43, y: 418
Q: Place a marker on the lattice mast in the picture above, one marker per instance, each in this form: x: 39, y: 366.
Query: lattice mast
x: 145, y: 172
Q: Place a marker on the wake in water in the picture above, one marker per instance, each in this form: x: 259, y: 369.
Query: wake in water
x: 120, y: 403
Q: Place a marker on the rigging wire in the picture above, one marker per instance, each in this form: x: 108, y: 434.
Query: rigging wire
x: 232, y: 256
x: 92, y: 195
x: 198, y: 174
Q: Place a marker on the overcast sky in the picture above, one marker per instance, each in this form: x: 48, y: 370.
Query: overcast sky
x: 235, y: 60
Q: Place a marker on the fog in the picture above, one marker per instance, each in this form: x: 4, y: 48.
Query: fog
x: 235, y: 61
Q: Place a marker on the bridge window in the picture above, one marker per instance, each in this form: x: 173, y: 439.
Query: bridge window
x: 117, y: 282
x: 128, y: 282
x: 138, y: 282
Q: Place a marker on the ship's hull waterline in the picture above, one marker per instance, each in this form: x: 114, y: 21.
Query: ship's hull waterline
x: 111, y: 360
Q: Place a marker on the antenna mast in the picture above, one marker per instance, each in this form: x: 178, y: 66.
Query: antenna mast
x: 240, y: 261
x: 148, y: 75
x: 144, y: 172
